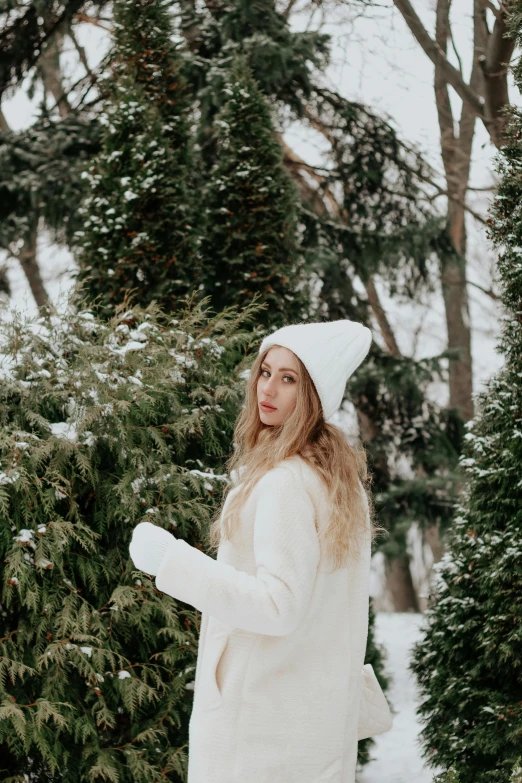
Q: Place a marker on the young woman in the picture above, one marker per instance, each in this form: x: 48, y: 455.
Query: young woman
x: 285, y: 604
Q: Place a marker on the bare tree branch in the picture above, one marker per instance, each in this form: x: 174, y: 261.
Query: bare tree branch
x: 455, y: 50
x: 493, y: 8
x: 27, y: 254
x: 79, y: 17
x: 382, y: 318
x: 438, y: 57
x: 25, y: 40
x: 442, y: 99
x: 286, y: 13
x: 315, y: 198
x: 441, y: 192
x: 81, y: 52
x: 487, y: 291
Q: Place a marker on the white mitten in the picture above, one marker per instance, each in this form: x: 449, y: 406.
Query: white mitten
x: 148, y: 546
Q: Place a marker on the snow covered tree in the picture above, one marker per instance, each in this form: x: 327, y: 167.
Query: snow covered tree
x: 105, y: 424
x: 469, y: 662
x: 284, y: 61
x: 137, y: 234
x: 250, y: 241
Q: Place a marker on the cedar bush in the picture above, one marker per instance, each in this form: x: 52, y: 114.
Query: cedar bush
x: 103, y: 424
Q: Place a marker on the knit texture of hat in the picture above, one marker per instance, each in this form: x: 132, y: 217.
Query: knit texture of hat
x: 330, y: 351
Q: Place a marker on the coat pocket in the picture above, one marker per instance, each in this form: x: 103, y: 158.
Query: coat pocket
x: 209, y: 683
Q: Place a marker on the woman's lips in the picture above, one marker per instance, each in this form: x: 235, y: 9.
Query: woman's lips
x: 267, y: 408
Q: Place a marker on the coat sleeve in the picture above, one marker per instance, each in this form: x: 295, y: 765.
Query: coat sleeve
x: 287, y: 553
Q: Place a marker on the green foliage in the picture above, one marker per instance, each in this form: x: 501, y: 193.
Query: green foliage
x: 414, y: 432
x: 26, y: 26
x: 250, y: 241
x: 389, y: 227
x: 516, y: 772
x: 144, y: 51
x: 283, y: 61
x: 40, y: 176
x: 469, y: 663
x: 450, y: 776
x: 137, y: 234
x: 103, y: 425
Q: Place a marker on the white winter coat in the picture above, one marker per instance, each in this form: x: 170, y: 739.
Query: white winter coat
x: 282, y: 642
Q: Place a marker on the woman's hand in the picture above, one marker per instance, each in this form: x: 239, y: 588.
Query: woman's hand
x: 148, y: 546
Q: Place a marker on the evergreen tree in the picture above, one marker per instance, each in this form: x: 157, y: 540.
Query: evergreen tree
x: 41, y: 176
x: 137, y: 234
x: 469, y: 662
x: 283, y: 61
x: 250, y: 243
x: 105, y: 424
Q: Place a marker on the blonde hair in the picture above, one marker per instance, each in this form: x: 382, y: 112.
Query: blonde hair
x: 260, y: 447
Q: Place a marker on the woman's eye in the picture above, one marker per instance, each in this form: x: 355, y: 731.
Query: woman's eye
x: 284, y: 376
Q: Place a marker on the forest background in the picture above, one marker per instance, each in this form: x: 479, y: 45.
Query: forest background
x: 375, y: 61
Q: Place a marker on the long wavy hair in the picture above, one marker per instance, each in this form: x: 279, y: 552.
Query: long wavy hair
x: 260, y: 447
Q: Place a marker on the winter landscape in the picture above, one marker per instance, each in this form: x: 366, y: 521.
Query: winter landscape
x: 327, y: 159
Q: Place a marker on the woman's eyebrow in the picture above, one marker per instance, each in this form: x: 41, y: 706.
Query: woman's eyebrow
x: 281, y: 369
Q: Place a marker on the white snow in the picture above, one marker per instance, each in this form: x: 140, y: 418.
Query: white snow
x: 396, y: 755
x: 65, y: 430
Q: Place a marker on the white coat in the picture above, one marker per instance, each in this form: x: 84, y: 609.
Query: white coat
x: 282, y: 641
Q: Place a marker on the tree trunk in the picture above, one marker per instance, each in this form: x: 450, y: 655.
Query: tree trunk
x: 485, y: 96
x: 49, y: 66
x: 433, y: 539
x: 400, y: 584
x: 453, y: 280
x: 456, y: 158
x: 27, y: 257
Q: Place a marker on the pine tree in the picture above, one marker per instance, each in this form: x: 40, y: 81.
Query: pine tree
x: 283, y: 61
x: 250, y: 243
x: 103, y: 425
x: 469, y: 662
x: 41, y: 176
x: 137, y: 235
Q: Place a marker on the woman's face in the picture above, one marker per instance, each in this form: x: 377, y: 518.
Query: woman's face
x: 277, y: 385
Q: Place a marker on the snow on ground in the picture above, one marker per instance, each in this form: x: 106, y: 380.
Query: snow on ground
x: 396, y: 755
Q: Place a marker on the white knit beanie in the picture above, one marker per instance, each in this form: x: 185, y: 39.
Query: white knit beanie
x: 331, y: 351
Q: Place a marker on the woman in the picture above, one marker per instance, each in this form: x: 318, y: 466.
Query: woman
x: 285, y: 604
